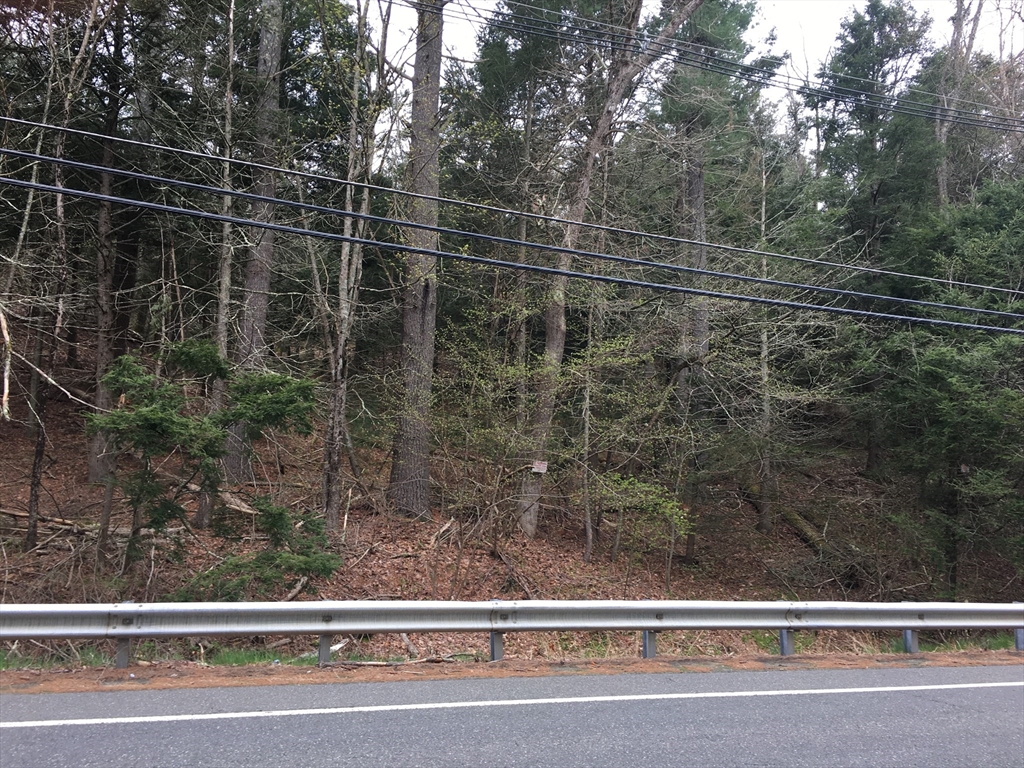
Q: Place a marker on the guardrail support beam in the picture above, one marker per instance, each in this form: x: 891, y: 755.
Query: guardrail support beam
x: 124, y: 652
x: 650, y: 644
x: 497, y: 646
x: 910, y: 641
x: 785, y: 642
x: 1018, y: 639
x: 323, y: 655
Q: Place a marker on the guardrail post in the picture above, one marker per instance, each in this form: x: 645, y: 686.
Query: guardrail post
x: 1018, y: 634
x: 124, y: 652
x: 650, y: 644
x: 497, y: 646
x: 785, y: 642
x: 910, y: 641
x: 323, y: 655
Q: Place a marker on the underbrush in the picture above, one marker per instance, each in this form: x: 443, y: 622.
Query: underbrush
x: 553, y: 646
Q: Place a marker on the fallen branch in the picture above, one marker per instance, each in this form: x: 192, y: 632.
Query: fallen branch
x: 411, y: 649
x: 369, y: 549
x: 57, y: 521
x: 230, y: 500
x: 303, y: 580
x: 849, y: 562
x: 517, y: 575
x: 427, y: 660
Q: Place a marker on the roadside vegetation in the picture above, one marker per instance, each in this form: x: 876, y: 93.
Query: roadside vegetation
x: 589, y: 316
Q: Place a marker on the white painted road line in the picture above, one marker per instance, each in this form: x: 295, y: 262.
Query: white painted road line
x: 497, y: 703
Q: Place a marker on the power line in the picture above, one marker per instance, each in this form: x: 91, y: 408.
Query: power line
x: 628, y: 38
x: 509, y: 212
x: 623, y: 31
x: 627, y: 42
x: 506, y: 264
x: 213, y: 190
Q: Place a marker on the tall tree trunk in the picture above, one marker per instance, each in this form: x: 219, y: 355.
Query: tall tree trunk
x: 36, y: 478
x: 766, y: 482
x: 218, y: 390
x: 954, y: 72
x: 621, y: 81
x: 100, y: 463
x: 692, y: 223
x: 408, y: 486
x: 252, y: 343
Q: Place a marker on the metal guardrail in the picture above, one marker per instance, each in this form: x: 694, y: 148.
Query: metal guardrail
x: 127, y: 621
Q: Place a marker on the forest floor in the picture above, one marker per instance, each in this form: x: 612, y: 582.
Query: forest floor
x: 455, y: 557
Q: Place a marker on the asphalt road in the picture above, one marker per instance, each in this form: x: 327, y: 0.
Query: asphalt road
x: 962, y: 716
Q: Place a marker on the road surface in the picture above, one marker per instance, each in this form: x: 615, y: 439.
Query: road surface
x: 968, y: 716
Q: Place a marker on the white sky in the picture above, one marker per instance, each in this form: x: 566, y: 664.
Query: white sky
x: 808, y: 28
x: 805, y: 28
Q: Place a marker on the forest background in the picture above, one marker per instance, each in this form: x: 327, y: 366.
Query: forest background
x: 593, y: 295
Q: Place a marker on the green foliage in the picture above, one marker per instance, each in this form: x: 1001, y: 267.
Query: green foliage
x: 653, y: 514
x: 249, y: 577
x: 297, y: 548
x: 149, y: 422
x: 270, y: 401
x: 274, y: 521
x: 154, y: 419
x: 198, y: 357
x: 646, y: 499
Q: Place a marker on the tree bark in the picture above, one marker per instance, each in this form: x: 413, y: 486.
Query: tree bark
x: 252, y: 342
x: 621, y: 81
x: 695, y: 337
x: 218, y: 393
x: 100, y: 463
x: 954, y: 72
x: 408, y: 486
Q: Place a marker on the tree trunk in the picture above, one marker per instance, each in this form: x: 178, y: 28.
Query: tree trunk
x: 694, y: 340
x: 954, y: 72
x: 36, y: 480
x: 252, y: 343
x: 620, y: 82
x: 218, y: 393
x: 408, y: 486
x: 256, y: 290
x: 100, y: 464
x: 367, y: 100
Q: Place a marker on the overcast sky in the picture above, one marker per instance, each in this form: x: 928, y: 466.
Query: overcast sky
x: 808, y: 28
x: 805, y: 28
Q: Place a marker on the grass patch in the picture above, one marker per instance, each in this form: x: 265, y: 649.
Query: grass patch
x: 71, y: 656
x: 950, y: 642
x: 767, y: 640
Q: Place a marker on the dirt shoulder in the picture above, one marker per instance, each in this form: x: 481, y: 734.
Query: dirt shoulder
x: 188, y: 674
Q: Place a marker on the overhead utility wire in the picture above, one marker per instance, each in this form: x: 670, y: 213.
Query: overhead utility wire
x: 629, y: 42
x: 509, y: 212
x: 624, y: 31
x: 213, y: 190
x: 749, y: 72
x: 719, y: 65
x: 506, y: 264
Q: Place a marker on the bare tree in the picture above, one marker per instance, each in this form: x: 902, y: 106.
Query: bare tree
x: 368, y: 94
x: 622, y: 78
x: 954, y: 74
